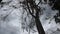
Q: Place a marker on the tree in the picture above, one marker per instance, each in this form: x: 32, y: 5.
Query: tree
x: 57, y: 7
x: 0, y: 1
x: 34, y: 11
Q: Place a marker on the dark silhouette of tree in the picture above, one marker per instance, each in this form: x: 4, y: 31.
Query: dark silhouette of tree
x: 0, y: 1
x: 57, y: 7
x: 32, y: 8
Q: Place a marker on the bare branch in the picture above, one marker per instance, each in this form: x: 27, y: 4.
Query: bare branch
x: 29, y: 9
x: 6, y: 16
x: 39, y: 2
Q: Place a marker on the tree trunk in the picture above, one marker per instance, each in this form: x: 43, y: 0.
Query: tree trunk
x: 38, y: 24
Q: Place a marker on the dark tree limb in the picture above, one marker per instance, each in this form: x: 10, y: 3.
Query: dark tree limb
x: 0, y: 1
x: 37, y: 20
x: 29, y: 10
x: 38, y: 23
x: 39, y: 2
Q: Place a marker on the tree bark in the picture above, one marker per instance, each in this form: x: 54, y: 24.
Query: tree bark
x: 37, y: 20
x: 38, y: 24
